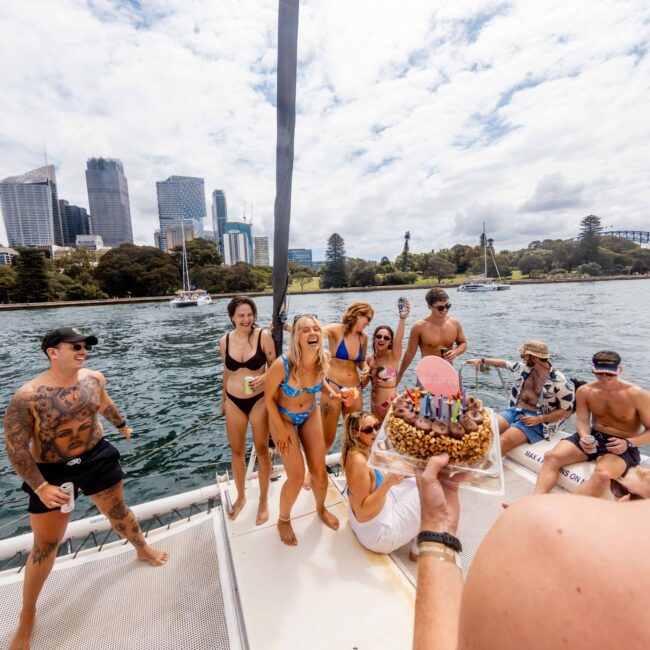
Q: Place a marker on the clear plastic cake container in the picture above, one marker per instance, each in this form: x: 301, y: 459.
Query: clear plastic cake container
x: 483, y: 476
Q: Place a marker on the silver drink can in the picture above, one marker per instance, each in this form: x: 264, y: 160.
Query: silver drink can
x: 68, y: 488
x: 590, y: 440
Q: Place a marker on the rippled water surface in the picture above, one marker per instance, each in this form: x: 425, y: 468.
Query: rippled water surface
x: 163, y: 370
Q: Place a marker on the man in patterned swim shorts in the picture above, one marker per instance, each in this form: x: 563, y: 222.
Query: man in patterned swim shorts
x: 617, y: 414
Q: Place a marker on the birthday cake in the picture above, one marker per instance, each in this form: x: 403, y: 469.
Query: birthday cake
x: 458, y: 427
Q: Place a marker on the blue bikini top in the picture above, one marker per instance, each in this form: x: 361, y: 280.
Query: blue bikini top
x: 342, y: 351
x: 290, y: 391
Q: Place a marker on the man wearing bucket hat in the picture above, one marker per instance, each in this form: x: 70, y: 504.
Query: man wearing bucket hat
x: 612, y: 421
x: 54, y: 436
x: 541, y: 397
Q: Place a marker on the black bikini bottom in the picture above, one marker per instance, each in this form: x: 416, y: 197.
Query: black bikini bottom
x: 245, y: 404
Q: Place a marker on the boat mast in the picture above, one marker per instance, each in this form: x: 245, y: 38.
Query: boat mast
x: 286, y: 124
x: 484, y: 252
x: 186, y: 273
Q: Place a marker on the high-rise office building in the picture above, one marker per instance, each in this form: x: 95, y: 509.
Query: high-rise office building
x: 261, y: 251
x: 181, y: 199
x: 30, y: 208
x: 108, y: 198
x: 300, y: 256
x: 219, y: 216
x: 237, y: 242
x: 76, y: 221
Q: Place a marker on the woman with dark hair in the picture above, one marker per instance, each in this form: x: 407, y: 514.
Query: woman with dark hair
x: 290, y: 394
x: 384, y: 510
x: 247, y: 352
x: 347, y: 344
x: 384, y: 362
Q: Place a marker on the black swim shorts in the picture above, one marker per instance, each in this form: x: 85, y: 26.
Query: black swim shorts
x: 631, y: 455
x: 93, y: 471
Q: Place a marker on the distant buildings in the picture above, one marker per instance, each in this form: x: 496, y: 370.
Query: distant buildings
x: 108, y: 198
x: 76, y: 221
x: 174, y: 234
x: 30, y: 209
x: 91, y: 242
x: 6, y: 255
x: 237, y: 242
x: 300, y: 256
x: 219, y: 216
x: 261, y: 251
x: 181, y: 199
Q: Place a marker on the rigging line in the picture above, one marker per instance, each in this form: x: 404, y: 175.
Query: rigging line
x: 13, y: 521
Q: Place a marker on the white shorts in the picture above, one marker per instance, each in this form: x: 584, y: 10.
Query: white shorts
x: 397, y: 523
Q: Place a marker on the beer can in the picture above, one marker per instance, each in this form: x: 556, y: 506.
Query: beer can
x: 401, y: 304
x: 68, y: 488
x: 248, y: 387
x: 443, y: 351
x: 590, y: 440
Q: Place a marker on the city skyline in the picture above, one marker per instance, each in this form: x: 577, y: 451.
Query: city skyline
x: 432, y: 119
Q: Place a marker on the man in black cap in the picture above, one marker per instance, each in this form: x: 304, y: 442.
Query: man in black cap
x: 54, y: 436
x: 612, y: 422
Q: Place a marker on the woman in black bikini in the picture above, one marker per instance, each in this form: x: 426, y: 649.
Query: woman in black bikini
x: 347, y: 344
x: 247, y: 352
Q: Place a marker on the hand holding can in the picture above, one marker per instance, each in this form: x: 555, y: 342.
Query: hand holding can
x: 68, y: 488
x: 248, y: 387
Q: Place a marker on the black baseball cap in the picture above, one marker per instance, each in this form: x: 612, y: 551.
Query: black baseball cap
x: 66, y: 335
x: 606, y: 361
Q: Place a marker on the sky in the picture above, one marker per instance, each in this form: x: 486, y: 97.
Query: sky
x: 426, y: 116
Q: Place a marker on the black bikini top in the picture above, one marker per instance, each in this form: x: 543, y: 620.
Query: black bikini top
x: 256, y: 362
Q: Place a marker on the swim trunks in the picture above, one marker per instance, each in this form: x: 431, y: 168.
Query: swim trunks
x: 533, y: 433
x: 631, y: 455
x: 93, y: 471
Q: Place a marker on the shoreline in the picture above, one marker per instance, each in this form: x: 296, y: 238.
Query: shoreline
x: 220, y: 296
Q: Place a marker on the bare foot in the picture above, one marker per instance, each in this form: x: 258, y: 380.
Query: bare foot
x: 22, y: 639
x: 154, y: 556
x: 505, y: 505
x: 262, y: 513
x: 236, y: 508
x: 307, y: 482
x: 329, y: 519
x: 287, y: 535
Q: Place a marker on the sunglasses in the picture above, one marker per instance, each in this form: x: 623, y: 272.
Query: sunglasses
x: 371, y: 428
x: 442, y: 308
x: 295, y: 318
x: 77, y: 347
x: 382, y: 337
x: 619, y: 490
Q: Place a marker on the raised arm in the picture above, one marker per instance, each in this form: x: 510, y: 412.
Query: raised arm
x: 399, y: 332
x: 109, y: 410
x: 498, y: 363
x: 411, y: 349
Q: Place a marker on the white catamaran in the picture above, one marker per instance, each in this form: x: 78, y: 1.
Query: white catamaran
x: 482, y: 283
x: 189, y: 297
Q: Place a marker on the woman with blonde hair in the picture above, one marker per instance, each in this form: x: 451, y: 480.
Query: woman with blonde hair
x: 347, y: 344
x: 384, y: 511
x: 292, y: 383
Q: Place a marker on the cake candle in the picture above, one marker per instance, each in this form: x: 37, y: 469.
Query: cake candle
x: 449, y: 406
x: 440, y: 407
x: 427, y: 406
x: 410, y: 394
x: 416, y: 393
x: 464, y: 399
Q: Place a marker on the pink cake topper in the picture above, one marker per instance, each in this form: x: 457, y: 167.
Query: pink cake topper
x: 438, y: 376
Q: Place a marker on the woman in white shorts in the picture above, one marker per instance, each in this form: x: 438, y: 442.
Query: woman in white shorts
x: 384, y: 510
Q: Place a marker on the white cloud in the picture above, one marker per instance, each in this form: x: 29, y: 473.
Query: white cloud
x: 433, y: 118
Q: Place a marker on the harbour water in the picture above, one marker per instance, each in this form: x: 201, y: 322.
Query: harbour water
x: 163, y: 368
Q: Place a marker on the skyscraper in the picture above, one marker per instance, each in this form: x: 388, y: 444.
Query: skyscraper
x: 300, y: 256
x: 219, y: 216
x: 237, y: 242
x: 261, y: 251
x: 108, y: 198
x: 76, y: 221
x: 30, y: 208
x: 181, y: 199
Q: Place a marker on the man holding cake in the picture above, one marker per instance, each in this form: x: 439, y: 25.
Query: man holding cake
x: 540, y: 400
x: 435, y: 334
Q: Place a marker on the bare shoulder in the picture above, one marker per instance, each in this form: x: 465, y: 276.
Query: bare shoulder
x: 454, y: 321
x: 355, y: 463
x: 418, y: 326
x: 87, y: 373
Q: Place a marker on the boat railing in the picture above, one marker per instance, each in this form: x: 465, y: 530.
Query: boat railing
x: 481, y: 369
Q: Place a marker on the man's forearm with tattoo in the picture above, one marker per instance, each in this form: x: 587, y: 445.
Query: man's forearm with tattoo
x: 19, y: 428
x: 111, y: 413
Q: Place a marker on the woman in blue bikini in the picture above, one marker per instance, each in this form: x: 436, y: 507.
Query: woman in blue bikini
x: 292, y: 383
x: 348, y: 367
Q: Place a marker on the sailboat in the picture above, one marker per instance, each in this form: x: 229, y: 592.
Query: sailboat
x: 187, y: 297
x: 482, y: 283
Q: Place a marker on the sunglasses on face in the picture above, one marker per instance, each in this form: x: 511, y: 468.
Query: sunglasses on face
x: 382, y: 337
x: 77, y: 347
x: 619, y: 490
x: 295, y: 318
x: 371, y: 428
x: 442, y: 308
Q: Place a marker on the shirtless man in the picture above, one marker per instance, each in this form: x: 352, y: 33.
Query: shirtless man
x: 617, y: 414
x: 437, y: 331
x: 54, y: 436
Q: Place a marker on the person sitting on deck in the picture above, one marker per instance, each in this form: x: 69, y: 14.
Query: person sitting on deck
x: 541, y: 398
x: 435, y: 334
x: 384, y: 510
x: 290, y: 390
x: 576, y: 560
x: 612, y: 421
